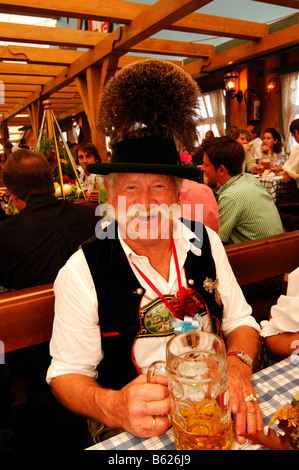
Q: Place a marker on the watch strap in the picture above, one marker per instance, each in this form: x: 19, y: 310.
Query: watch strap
x: 243, y: 356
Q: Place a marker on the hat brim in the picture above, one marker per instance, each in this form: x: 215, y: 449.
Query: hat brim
x: 187, y: 172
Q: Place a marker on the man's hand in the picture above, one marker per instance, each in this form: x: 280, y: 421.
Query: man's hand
x: 141, y: 407
x: 247, y: 414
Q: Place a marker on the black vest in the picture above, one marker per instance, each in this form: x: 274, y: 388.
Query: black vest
x: 118, y: 302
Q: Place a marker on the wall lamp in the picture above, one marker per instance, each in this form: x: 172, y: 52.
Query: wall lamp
x: 231, y: 82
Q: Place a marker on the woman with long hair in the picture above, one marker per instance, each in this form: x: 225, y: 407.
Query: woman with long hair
x: 271, y: 148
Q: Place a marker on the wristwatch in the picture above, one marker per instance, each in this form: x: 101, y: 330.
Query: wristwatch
x: 243, y: 356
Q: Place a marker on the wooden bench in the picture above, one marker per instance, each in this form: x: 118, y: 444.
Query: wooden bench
x: 26, y: 316
x: 264, y: 258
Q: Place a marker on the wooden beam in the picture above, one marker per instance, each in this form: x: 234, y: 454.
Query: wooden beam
x: 282, y: 3
x: 66, y: 37
x: 13, y: 87
x: 157, y: 17
x: 70, y: 112
x: 200, y: 23
x: 24, y: 80
x: 175, y: 48
x: 38, y: 55
x: 120, y: 12
x: 274, y: 42
x: 32, y: 69
x: 120, y: 40
x: 129, y: 59
x: 112, y: 11
x: 60, y: 57
x: 16, y: 94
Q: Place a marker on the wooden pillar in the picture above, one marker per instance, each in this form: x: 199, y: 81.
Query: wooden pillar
x: 48, y: 105
x: 4, y: 133
x: 34, y: 114
x: 90, y: 89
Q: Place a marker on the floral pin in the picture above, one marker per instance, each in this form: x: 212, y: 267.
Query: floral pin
x: 185, y: 157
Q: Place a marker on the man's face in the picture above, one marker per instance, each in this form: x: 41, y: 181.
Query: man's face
x: 85, y: 158
x: 243, y: 139
x: 296, y: 136
x: 211, y: 174
x: 141, y: 195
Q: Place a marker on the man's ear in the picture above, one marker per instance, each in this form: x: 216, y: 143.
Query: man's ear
x: 222, y: 170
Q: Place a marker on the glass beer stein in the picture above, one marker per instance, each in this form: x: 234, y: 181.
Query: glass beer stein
x: 196, y: 368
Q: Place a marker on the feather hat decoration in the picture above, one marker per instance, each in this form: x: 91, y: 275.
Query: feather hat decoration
x: 152, y: 93
x: 144, y: 109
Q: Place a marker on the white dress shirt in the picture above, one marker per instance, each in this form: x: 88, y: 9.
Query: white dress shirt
x: 292, y: 165
x: 76, y: 340
x: 254, y: 144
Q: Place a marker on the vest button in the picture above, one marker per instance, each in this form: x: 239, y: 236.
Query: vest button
x: 139, y: 291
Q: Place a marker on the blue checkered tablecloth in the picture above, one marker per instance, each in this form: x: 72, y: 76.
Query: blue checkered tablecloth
x: 274, y: 387
x: 276, y: 187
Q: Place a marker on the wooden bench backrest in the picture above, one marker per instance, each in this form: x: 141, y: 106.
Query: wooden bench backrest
x: 26, y: 316
x: 261, y: 259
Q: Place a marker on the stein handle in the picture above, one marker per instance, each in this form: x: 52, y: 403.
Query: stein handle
x: 157, y: 368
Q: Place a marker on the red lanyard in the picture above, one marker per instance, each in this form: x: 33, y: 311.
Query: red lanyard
x: 155, y: 288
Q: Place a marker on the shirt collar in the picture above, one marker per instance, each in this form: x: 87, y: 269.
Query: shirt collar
x: 229, y: 182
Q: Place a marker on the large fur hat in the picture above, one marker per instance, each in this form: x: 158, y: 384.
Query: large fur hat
x: 149, y: 110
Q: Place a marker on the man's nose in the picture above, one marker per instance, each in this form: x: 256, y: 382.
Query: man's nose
x: 145, y: 198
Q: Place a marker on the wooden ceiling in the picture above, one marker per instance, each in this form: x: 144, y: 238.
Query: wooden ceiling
x: 73, y: 78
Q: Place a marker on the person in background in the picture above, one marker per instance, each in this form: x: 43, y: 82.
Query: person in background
x: 73, y: 148
x: 287, y: 205
x: 271, y: 148
x: 230, y: 130
x: 291, y: 168
x: 35, y: 244
x: 256, y: 141
x: 246, y: 210
x: 46, y: 231
x: 88, y: 153
x: 243, y: 136
x: 201, y: 202
x: 22, y: 144
x: 281, y: 331
x: 209, y: 134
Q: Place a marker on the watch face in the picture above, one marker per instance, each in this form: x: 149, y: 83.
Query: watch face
x: 245, y: 358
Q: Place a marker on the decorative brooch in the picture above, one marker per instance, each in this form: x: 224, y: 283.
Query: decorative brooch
x: 210, y: 286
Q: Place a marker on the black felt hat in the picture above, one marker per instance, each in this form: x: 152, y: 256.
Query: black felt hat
x: 148, y: 154
x: 148, y: 109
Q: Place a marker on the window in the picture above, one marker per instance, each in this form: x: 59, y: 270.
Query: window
x: 289, y: 106
x: 212, y: 112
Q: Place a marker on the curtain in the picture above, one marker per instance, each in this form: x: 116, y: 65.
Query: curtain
x: 217, y: 105
x: 289, y: 83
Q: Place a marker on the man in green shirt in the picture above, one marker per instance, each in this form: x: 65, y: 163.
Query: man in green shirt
x: 246, y: 210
